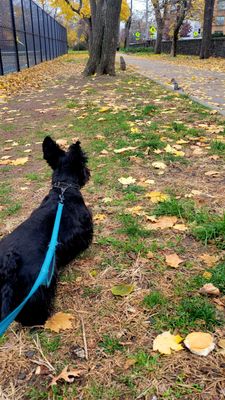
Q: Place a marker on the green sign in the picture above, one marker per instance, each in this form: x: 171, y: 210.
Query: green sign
x: 137, y: 34
x: 196, y: 34
x: 152, y: 29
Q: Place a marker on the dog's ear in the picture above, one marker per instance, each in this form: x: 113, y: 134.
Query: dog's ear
x: 78, y: 161
x: 52, y: 152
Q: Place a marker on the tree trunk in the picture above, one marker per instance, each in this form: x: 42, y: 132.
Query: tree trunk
x: 207, y: 29
x: 158, y: 42
x: 173, y: 51
x: 104, y: 36
x: 160, y: 22
x: 127, y: 32
x: 181, y: 13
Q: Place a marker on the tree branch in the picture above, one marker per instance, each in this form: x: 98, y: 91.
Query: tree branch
x: 76, y: 10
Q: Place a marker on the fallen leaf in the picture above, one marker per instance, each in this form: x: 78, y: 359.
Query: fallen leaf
x: 136, y: 210
x: 159, y: 165
x: 59, y: 321
x: 221, y: 343
x: 199, y: 343
x: 124, y: 149
x: 180, y: 227
x: 134, y: 130
x: 122, y: 290
x: 212, y: 173
x: 173, y: 260
x: 165, y: 342
x: 18, y: 161
x: 62, y: 143
x: 103, y: 109
x: 157, y: 197
x: 104, y: 152
x: 207, y: 275
x: 210, y: 289
x: 129, y: 363
x: 164, y: 222
x: 99, y: 217
x: 209, y: 260
x: 150, y: 255
x: 127, y: 181
x: 67, y: 376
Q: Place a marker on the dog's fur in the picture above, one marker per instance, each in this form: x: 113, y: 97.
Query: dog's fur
x: 23, y: 251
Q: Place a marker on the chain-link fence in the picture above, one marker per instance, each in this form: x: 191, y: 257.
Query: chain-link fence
x: 28, y: 35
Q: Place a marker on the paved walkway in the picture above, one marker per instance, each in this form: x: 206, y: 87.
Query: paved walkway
x: 207, y: 87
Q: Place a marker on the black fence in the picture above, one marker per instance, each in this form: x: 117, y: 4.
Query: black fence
x: 28, y: 36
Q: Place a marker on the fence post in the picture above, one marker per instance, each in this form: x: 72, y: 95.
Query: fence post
x: 39, y: 32
x: 25, y: 33
x: 49, y: 42
x: 43, y: 20
x: 14, y: 35
x: 32, y: 27
x: 1, y: 64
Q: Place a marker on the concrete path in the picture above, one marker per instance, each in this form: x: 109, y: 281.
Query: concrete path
x: 207, y: 87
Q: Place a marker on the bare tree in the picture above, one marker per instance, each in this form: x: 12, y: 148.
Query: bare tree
x: 127, y: 26
x: 182, y: 8
x: 161, y: 14
x: 207, y: 29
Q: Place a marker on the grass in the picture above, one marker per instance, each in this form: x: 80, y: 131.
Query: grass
x: 153, y: 299
x: 110, y: 345
x: 191, y: 313
x: 48, y: 343
x: 217, y: 279
x: 119, y: 329
x: 131, y: 227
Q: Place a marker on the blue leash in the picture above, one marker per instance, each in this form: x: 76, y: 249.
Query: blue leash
x: 45, y: 274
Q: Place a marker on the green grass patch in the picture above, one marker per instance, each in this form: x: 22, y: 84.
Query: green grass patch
x: 217, y: 147
x: 131, y: 227
x: 110, y: 344
x: 153, y: 299
x: 191, y: 313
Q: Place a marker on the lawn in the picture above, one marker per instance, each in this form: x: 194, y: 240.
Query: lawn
x: 170, y: 152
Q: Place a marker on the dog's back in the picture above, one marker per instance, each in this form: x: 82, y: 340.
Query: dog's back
x: 23, y: 251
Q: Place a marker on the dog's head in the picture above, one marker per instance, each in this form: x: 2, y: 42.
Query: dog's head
x: 67, y: 165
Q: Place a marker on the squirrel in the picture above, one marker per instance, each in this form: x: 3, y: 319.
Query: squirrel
x: 123, y: 66
x: 175, y: 85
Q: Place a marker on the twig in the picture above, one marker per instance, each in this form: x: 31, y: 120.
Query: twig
x: 38, y: 346
x: 84, y: 338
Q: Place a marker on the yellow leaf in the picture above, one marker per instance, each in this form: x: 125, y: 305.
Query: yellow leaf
x: 173, y: 260
x: 99, y: 217
x: 134, y: 130
x: 207, y: 275
x: 136, y: 210
x: 165, y: 342
x: 209, y: 260
x: 157, y: 197
x: 180, y: 227
x: 164, y: 222
x: 103, y: 109
x: 59, y: 321
x: 159, y: 165
x: 62, y: 143
x: 20, y: 161
x: 199, y: 343
x: 122, y: 150
x: 127, y: 181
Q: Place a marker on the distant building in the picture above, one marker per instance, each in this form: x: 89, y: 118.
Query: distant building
x: 219, y: 17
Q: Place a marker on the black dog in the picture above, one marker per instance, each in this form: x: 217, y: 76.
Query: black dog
x: 23, y: 251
